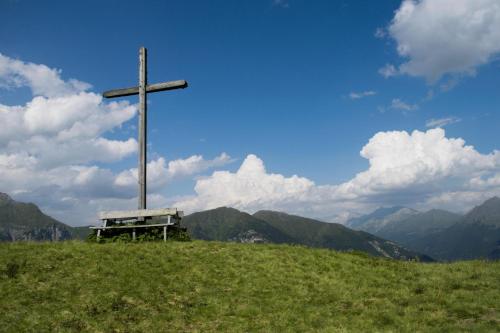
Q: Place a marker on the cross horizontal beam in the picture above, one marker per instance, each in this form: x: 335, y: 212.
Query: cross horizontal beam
x: 171, y: 85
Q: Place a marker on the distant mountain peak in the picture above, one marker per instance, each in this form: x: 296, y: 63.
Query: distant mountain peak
x: 4, y: 197
x: 268, y: 211
x: 434, y: 210
x: 383, y: 212
x: 380, y: 217
x: 492, y: 201
x: 486, y: 213
x: 386, y: 210
x: 224, y: 208
x: 221, y: 210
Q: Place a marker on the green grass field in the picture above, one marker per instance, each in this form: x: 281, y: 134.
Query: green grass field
x: 210, y: 286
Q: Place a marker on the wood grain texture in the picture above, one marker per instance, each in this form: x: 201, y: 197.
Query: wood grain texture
x: 150, y: 88
x: 132, y: 226
x: 130, y: 214
x: 143, y: 108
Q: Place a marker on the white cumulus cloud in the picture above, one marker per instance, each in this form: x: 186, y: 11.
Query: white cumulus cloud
x: 445, y: 37
x: 160, y: 172
x: 42, y: 80
x: 400, y: 160
x: 61, y: 114
x: 412, y: 169
x: 249, y: 188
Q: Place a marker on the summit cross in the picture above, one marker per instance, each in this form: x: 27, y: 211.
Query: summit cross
x: 142, y: 90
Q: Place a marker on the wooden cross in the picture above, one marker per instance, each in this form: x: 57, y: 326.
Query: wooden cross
x: 142, y: 91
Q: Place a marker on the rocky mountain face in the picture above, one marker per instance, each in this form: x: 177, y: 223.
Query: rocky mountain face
x: 25, y: 221
x: 228, y: 224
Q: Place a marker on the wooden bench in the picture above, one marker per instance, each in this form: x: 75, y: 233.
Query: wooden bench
x: 129, y: 220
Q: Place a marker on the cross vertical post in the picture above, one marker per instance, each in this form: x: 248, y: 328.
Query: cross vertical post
x: 142, y: 90
x: 143, y: 81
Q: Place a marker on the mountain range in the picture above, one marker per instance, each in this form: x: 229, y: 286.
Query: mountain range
x: 395, y: 232
x: 438, y: 233
x: 25, y: 221
x: 229, y: 224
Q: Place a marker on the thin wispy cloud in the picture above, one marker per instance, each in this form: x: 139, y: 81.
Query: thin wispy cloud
x: 359, y: 95
x: 380, y: 33
x: 388, y: 71
x: 448, y: 85
x: 281, y: 3
x: 441, y: 122
x: 398, y: 104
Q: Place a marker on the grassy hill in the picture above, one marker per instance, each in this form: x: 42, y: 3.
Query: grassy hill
x: 212, y: 286
x: 226, y: 224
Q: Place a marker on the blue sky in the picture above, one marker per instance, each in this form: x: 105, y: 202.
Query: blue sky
x: 277, y: 79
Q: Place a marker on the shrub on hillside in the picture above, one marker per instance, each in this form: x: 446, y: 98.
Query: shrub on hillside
x: 142, y: 235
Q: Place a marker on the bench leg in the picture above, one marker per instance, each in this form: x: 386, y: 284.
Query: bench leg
x: 164, y: 233
x: 98, y: 234
x: 133, y: 234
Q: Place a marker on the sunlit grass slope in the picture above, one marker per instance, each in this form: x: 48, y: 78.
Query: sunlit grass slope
x: 210, y: 286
